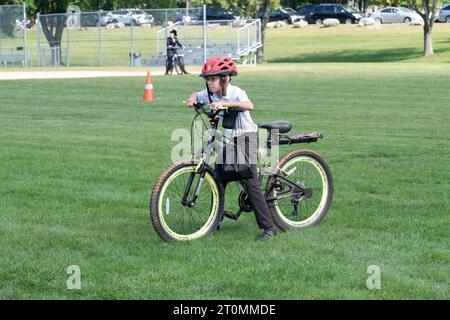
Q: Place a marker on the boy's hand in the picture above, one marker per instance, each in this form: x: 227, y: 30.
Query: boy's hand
x: 215, y: 106
x: 191, y: 101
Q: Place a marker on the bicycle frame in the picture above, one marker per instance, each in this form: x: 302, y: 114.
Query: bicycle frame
x: 203, y: 161
x: 202, y: 164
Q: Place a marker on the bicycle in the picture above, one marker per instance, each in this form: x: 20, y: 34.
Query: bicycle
x: 187, y: 202
x: 177, y: 63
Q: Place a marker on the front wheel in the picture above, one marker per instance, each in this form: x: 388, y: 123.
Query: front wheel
x: 306, y: 203
x: 174, y: 221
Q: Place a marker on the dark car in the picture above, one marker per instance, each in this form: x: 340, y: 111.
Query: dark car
x: 342, y: 13
x: 217, y: 13
x: 287, y: 15
x: 306, y: 10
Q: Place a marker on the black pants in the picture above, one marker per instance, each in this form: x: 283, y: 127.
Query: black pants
x: 255, y: 195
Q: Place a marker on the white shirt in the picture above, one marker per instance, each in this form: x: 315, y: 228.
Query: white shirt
x: 244, y: 123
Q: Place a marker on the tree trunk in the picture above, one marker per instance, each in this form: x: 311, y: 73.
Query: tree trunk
x: 427, y: 14
x: 427, y: 34
x: 428, y: 42
x: 53, y: 27
x: 264, y: 20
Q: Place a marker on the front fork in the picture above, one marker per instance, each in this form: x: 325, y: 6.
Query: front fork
x: 201, y: 167
x: 191, y: 202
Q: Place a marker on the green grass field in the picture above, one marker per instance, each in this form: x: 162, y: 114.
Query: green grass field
x: 78, y: 159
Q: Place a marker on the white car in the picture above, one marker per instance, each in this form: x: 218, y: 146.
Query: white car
x: 444, y: 14
x: 127, y: 16
x: 105, y: 18
x: 19, y: 23
x: 397, y: 15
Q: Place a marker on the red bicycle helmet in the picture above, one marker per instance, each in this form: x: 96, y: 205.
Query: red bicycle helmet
x: 219, y: 66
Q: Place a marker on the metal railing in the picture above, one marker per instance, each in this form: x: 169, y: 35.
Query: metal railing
x: 249, y: 38
x: 239, y: 36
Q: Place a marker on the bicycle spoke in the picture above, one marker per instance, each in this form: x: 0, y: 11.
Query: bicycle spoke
x: 184, y: 220
x: 307, y: 176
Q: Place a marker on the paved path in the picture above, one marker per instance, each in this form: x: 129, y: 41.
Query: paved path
x: 20, y: 75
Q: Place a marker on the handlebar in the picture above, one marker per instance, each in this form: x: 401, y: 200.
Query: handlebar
x: 200, y: 107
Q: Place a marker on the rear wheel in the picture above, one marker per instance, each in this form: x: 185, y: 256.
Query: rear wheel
x: 174, y: 221
x: 178, y: 64
x: 407, y: 20
x: 447, y: 19
x: 296, y: 209
x: 348, y: 21
x: 319, y: 21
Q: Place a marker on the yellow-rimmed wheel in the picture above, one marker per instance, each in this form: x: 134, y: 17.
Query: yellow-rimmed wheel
x: 175, y: 221
x: 305, y: 203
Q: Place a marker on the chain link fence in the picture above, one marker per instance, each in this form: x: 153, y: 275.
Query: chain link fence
x: 129, y: 37
x: 136, y: 37
x: 115, y: 38
x: 13, y: 26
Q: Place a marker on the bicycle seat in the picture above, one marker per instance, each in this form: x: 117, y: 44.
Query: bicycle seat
x: 281, y: 125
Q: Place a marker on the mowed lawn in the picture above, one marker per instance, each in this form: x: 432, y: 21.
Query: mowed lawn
x: 78, y: 159
x: 350, y: 43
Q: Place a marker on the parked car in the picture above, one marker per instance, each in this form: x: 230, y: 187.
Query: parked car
x: 287, y: 15
x: 127, y: 16
x: 444, y: 14
x: 306, y: 10
x: 217, y: 13
x: 344, y: 14
x: 19, y: 23
x: 396, y: 15
x: 105, y: 18
x: 181, y: 16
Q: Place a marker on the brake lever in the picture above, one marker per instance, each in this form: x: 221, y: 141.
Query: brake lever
x: 197, y: 106
x: 215, y: 113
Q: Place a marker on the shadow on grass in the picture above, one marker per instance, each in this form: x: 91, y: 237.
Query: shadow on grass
x: 355, y: 55
x: 442, y: 40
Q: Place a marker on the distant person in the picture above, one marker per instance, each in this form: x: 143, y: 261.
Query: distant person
x: 172, y: 43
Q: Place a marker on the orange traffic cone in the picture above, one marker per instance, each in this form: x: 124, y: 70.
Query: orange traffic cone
x: 149, y: 95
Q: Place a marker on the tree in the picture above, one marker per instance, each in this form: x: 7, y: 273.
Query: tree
x: 428, y: 14
x: 266, y: 4
x: 53, y: 24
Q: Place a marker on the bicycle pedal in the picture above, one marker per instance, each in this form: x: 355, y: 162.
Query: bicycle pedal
x: 230, y: 215
x: 268, y: 171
